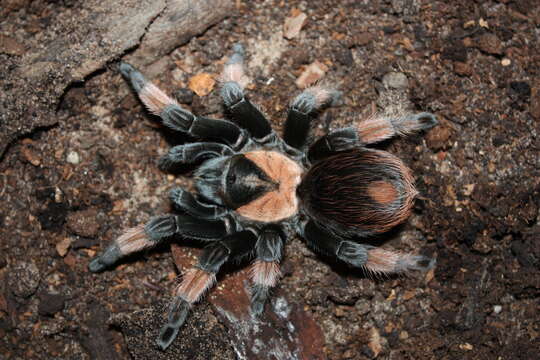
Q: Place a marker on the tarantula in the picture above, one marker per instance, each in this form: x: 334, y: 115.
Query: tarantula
x: 256, y: 190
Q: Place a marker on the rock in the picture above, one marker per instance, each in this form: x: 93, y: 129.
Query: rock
x: 361, y: 39
x: 490, y: 43
x: 73, y: 158
x: 202, y: 84
x: 39, y: 79
x: 535, y: 103
x: 375, y: 342
x: 62, y: 247
x: 24, y: 279
x: 437, y: 138
x: 455, y: 52
x: 506, y: 62
x: 50, y: 304
x: 344, y: 57
x: 10, y: 46
x: 83, y: 223
x: 30, y: 155
x: 202, y: 336
x: 293, y: 24
x: 462, y: 68
x: 284, y: 327
x: 519, y: 91
x: 184, y: 96
x: 313, y: 73
x: 395, y: 80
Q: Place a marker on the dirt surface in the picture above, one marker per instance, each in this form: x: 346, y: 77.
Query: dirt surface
x: 67, y: 191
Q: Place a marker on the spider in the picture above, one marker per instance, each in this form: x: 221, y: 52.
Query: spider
x: 255, y: 190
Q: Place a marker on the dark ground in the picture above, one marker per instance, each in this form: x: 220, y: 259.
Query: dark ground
x: 475, y: 65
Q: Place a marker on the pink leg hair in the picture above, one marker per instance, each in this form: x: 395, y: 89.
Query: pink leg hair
x: 155, y: 99
x: 265, y: 273
x: 194, y: 283
x: 386, y: 261
x: 379, y: 128
x: 133, y: 240
x: 233, y: 71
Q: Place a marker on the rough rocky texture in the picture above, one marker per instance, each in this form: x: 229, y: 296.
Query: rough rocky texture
x: 60, y: 45
x: 283, y: 332
x: 478, y: 176
x: 207, y: 338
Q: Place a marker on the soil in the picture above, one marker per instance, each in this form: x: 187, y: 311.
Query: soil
x: 69, y: 189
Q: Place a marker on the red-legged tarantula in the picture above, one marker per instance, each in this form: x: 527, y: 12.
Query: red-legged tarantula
x: 256, y: 190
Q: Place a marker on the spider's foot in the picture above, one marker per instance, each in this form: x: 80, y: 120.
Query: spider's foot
x: 414, y: 122
x: 107, y: 258
x: 415, y: 262
x: 425, y: 120
x: 237, y: 54
x: 177, y: 316
x: 314, y: 98
x: 259, y: 295
x: 133, y: 75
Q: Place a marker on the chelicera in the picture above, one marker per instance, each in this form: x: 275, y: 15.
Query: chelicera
x: 255, y: 190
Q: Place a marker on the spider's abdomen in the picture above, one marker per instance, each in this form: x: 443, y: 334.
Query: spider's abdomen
x: 279, y: 202
x: 358, y: 193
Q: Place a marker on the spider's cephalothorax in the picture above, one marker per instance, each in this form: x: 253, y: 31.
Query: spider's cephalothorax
x: 255, y: 190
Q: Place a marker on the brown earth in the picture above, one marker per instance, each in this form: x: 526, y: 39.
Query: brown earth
x: 68, y: 189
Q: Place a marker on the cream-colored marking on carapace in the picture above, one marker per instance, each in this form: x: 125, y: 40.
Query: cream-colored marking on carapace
x: 281, y: 203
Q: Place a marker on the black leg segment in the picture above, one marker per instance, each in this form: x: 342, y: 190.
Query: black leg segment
x: 234, y: 246
x: 185, y: 201
x: 265, y: 270
x: 193, y: 153
x: 244, y: 112
x: 175, y: 117
x: 323, y: 241
x: 336, y: 141
x: 301, y: 113
x: 200, y: 278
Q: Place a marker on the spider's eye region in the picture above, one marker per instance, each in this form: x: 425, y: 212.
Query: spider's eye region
x: 231, y: 179
x: 245, y: 182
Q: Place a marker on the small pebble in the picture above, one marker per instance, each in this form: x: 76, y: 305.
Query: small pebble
x: 24, y: 279
x: 50, y: 304
x: 497, y: 309
x: 73, y: 158
x: 184, y: 96
x: 490, y: 43
x: 202, y: 84
x: 63, y: 246
x: 313, y: 73
x: 83, y: 222
x: 293, y: 24
x: 505, y: 62
x: 395, y: 80
x: 403, y: 335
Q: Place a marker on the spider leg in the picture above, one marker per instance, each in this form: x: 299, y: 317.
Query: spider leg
x: 247, y: 115
x: 185, y: 201
x: 175, y: 117
x: 200, y: 278
x: 380, y: 128
x: 265, y: 270
x: 371, y: 258
x: 301, y: 113
x: 336, y: 141
x: 192, y: 153
x: 156, y: 231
